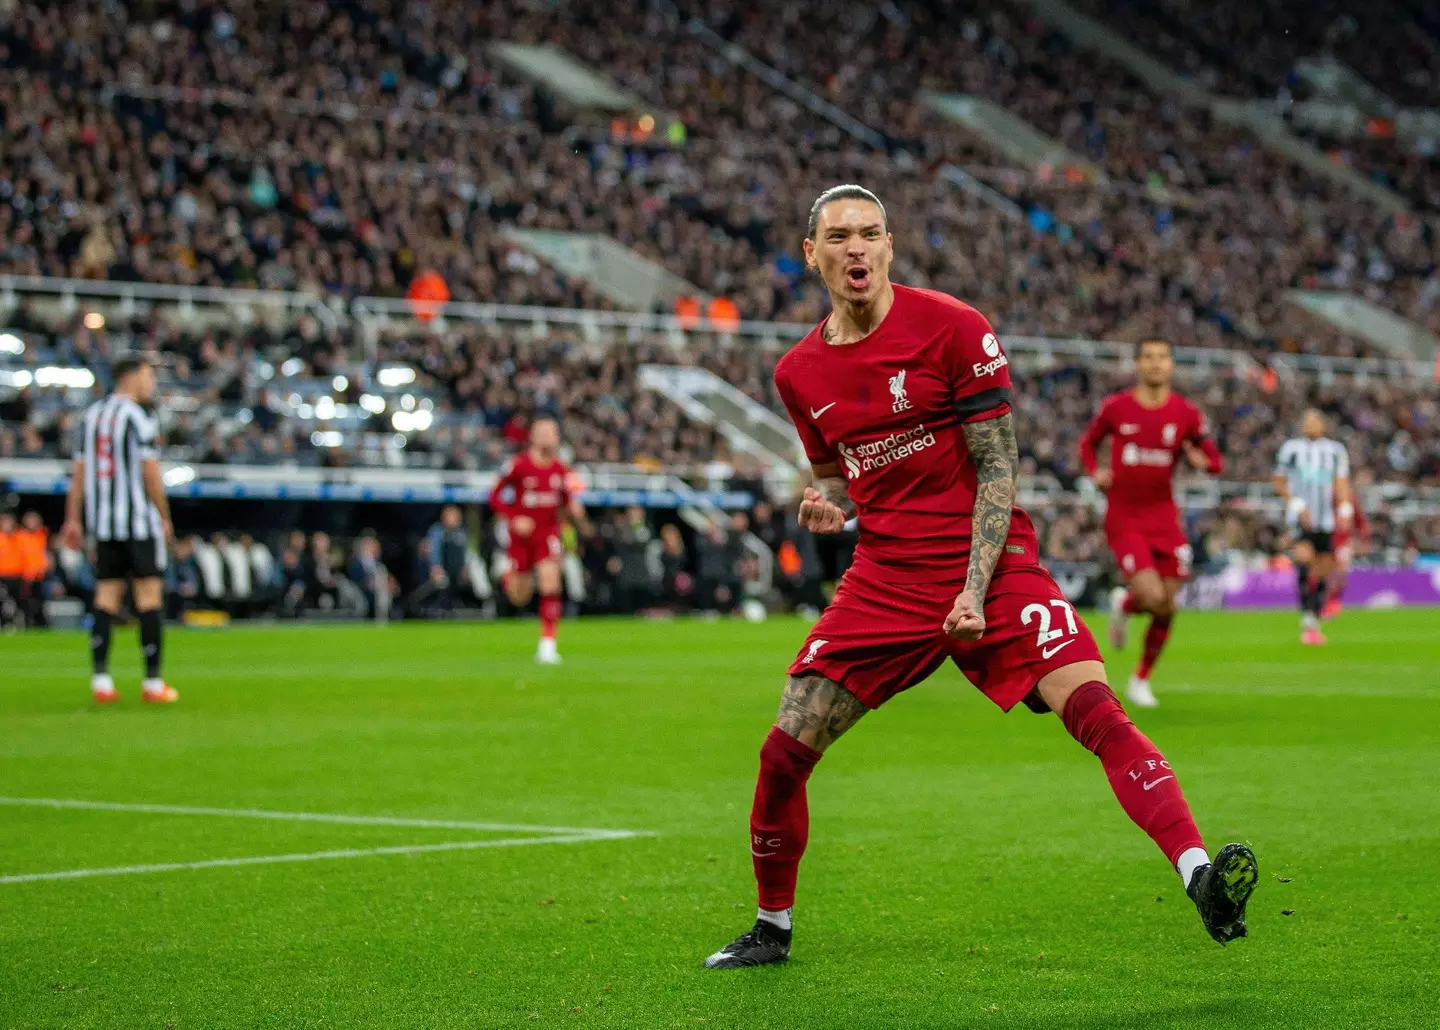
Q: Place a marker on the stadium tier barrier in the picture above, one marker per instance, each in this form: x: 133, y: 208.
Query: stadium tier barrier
x: 371, y: 315
x: 40, y: 476
x: 612, y: 486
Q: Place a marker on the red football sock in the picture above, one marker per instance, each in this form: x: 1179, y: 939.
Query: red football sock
x: 780, y: 818
x: 1155, y: 638
x: 1128, y: 606
x: 1139, y: 774
x: 550, y: 608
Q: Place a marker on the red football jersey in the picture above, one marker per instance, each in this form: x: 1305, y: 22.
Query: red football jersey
x: 1146, y: 445
x: 889, y: 411
x: 528, y: 488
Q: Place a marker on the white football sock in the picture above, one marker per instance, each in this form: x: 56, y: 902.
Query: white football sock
x: 1188, y: 862
x: 781, y: 918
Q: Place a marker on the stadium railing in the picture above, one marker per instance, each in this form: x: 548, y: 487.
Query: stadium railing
x: 127, y: 299
x: 371, y: 315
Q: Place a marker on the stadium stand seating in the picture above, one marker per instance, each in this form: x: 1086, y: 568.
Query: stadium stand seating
x: 372, y: 174
x: 1259, y: 51
x: 1252, y: 49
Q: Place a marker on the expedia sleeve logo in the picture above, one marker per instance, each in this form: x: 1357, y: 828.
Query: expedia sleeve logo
x: 989, y: 368
x: 877, y: 454
x: 991, y: 346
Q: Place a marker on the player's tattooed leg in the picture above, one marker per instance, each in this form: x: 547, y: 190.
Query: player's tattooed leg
x: 816, y: 711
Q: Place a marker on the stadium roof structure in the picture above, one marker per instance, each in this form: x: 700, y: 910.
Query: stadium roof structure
x: 613, y: 269
x: 1351, y: 313
x: 571, y: 80
x: 1008, y: 133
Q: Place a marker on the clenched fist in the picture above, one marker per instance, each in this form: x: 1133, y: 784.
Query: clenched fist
x: 966, y: 620
x: 818, y: 515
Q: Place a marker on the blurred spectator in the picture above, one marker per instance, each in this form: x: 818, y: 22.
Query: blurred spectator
x: 322, y: 585
x: 455, y: 573
x: 182, y: 580
x: 34, y: 544
x: 637, y: 579
x: 798, y: 571
x: 12, y: 565
x: 677, y: 585
x: 718, y: 556
x: 369, y: 574
x: 293, y: 576
x: 429, y: 585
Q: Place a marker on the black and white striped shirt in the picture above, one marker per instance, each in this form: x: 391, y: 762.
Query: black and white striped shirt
x: 1311, y: 467
x: 116, y: 435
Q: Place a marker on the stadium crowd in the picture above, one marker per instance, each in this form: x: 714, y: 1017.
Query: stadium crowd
x: 1253, y: 51
x: 384, y: 140
x: 1248, y: 49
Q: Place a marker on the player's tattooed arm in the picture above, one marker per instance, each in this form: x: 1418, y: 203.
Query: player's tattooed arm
x: 997, y: 459
x: 816, y: 711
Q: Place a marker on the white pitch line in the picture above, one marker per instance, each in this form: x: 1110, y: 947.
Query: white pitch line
x: 314, y: 856
x: 321, y: 817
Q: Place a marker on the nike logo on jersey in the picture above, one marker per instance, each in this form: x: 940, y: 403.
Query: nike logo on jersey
x: 1155, y: 783
x: 817, y: 412
x: 1049, y: 652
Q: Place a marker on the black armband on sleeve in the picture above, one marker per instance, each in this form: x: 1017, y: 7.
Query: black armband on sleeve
x: 982, y: 401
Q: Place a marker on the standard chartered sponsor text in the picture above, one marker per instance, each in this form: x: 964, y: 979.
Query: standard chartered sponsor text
x: 876, y: 454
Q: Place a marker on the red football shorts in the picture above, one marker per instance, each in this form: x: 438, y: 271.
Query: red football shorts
x: 1157, y: 543
x: 525, y: 552
x: 884, y: 633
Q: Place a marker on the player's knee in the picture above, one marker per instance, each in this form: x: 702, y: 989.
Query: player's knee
x: 1149, y: 597
x: 148, y: 595
x: 1092, y: 713
x: 783, y: 753
x: 109, y: 596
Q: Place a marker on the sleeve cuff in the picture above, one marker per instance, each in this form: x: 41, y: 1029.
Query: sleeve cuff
x: 989, y: 413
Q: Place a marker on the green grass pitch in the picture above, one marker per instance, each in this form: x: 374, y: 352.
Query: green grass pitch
x: 966, y: 869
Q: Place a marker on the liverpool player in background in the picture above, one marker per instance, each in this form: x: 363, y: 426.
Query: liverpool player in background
x: 529, y: 496
x: 902, y: 399
x: 1151, y: 428
x: 1348, y: 543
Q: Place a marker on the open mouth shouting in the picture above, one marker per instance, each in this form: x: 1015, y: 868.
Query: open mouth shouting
x: 857, y: 277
